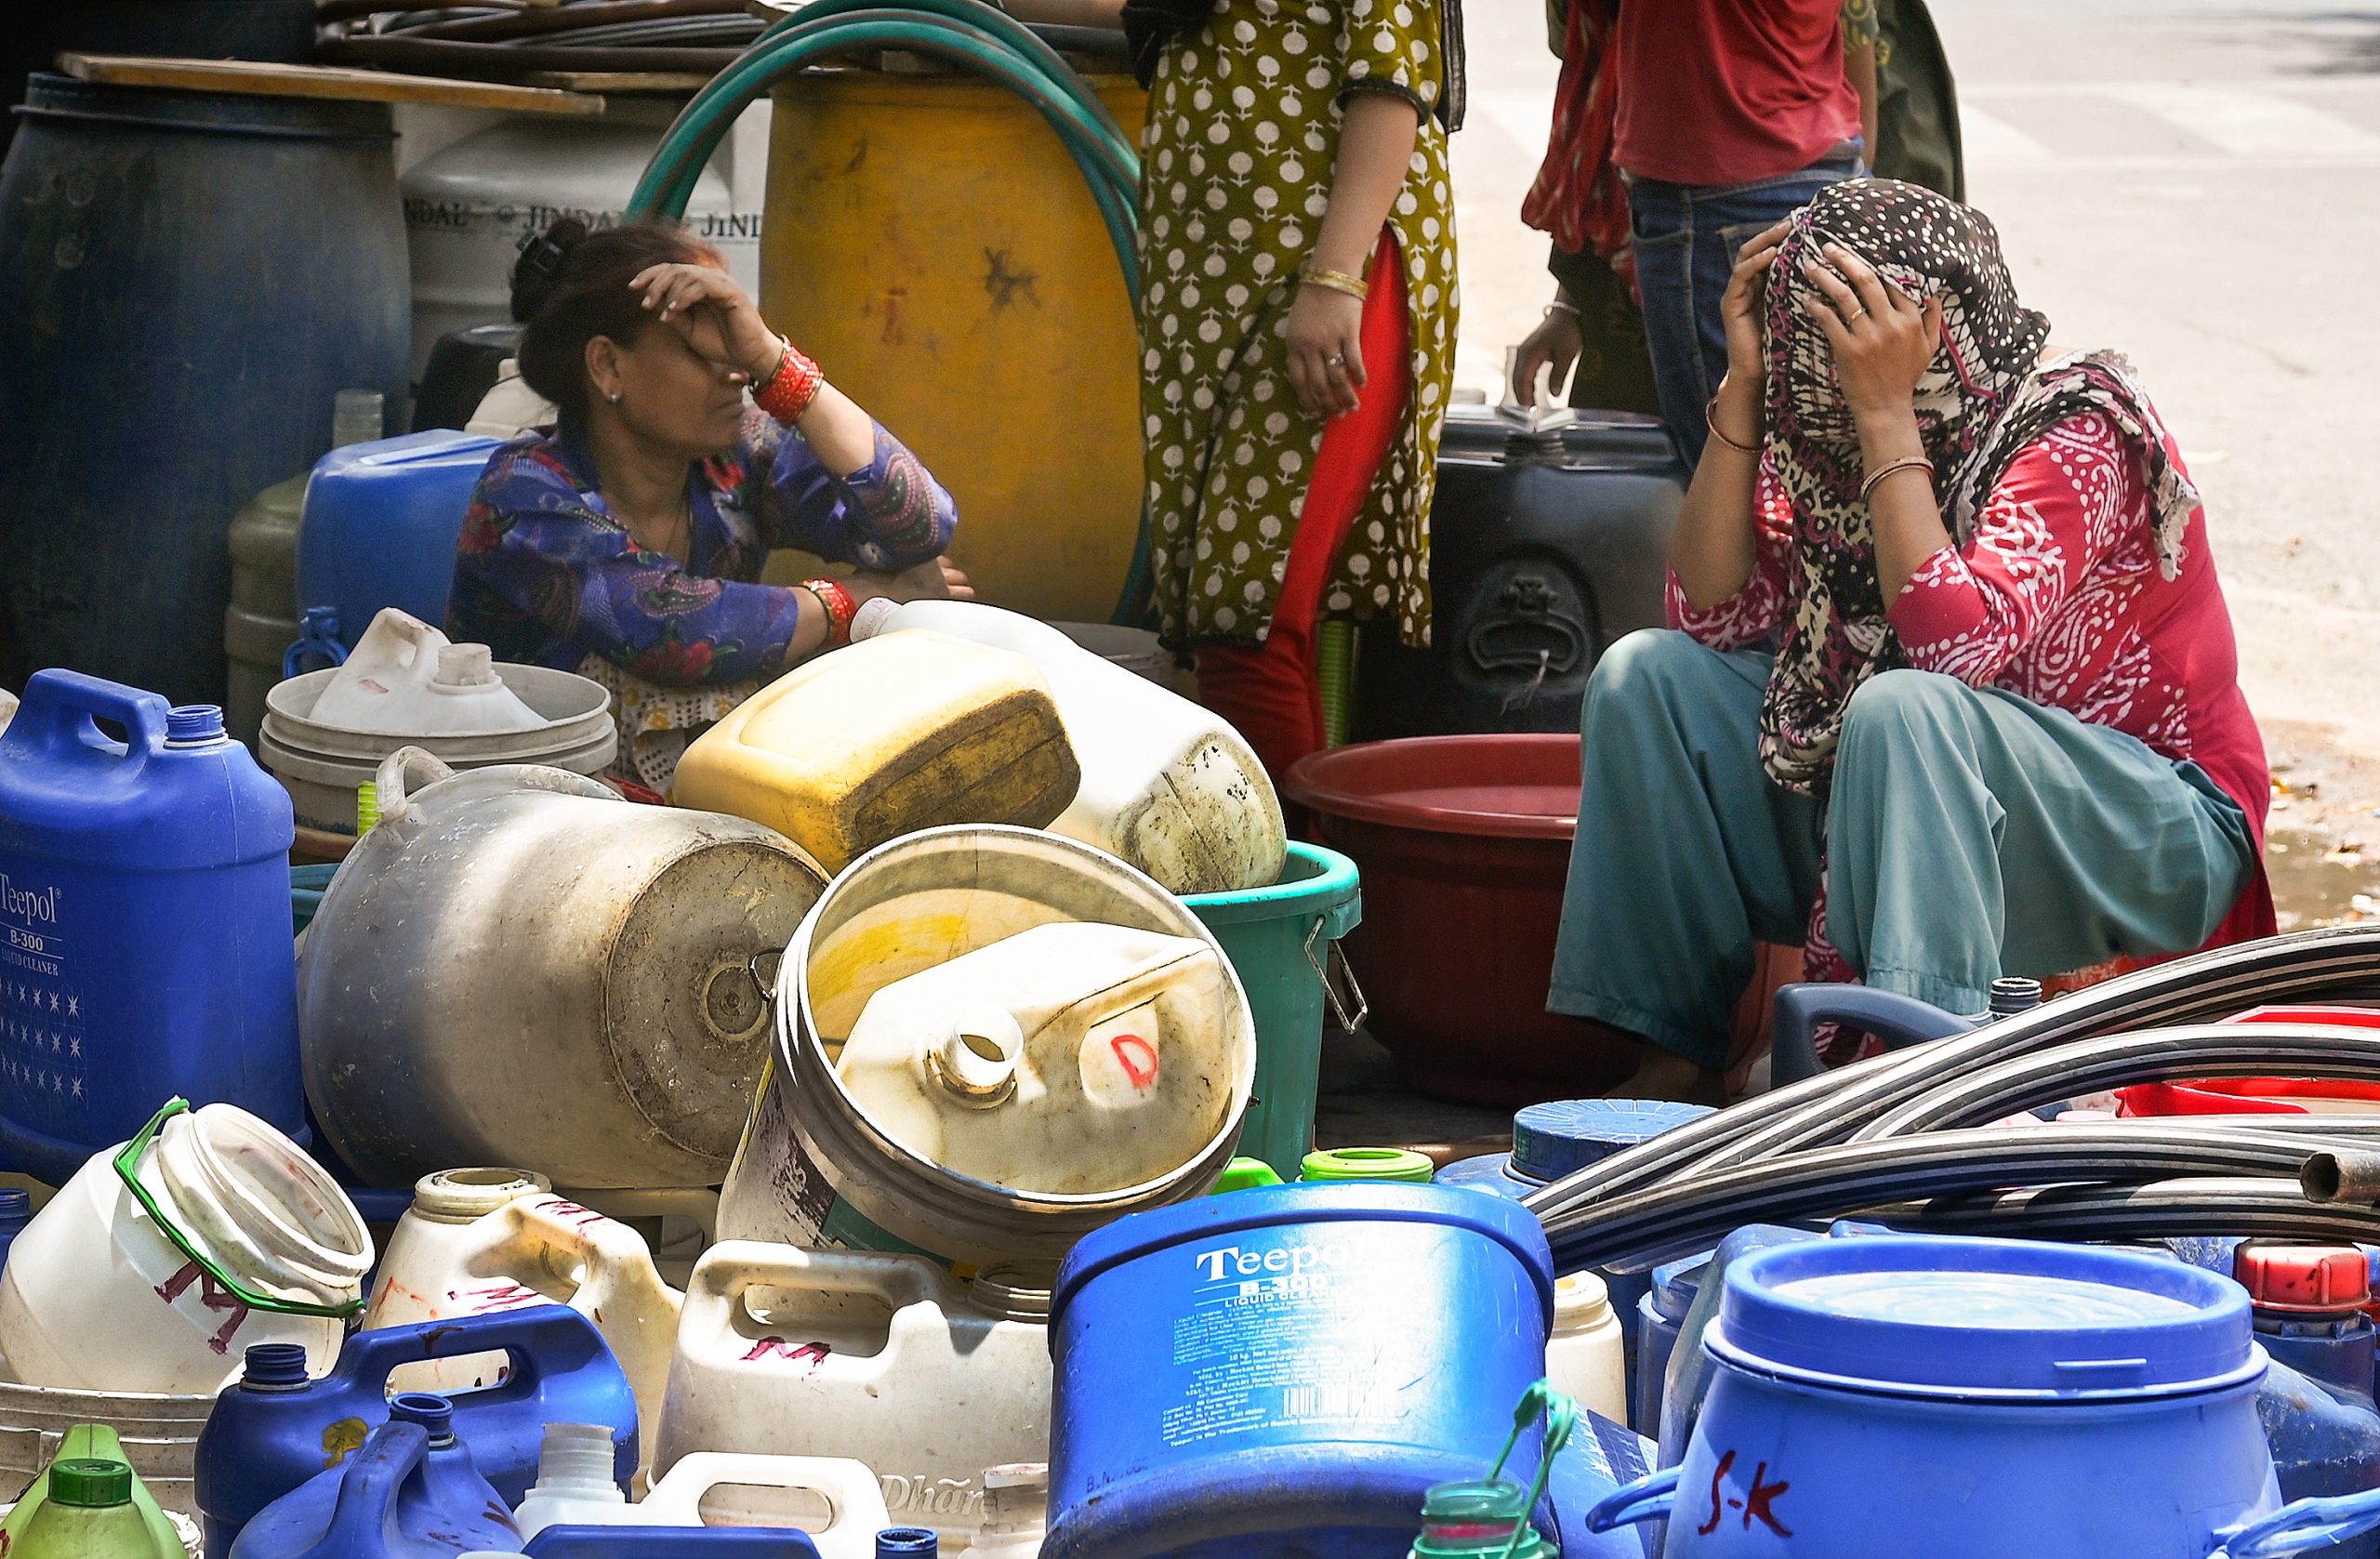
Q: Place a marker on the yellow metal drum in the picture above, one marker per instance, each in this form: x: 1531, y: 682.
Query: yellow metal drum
x: 931, y: 242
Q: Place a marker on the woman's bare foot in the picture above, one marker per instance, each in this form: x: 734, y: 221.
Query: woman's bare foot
x: 1666, y: 1075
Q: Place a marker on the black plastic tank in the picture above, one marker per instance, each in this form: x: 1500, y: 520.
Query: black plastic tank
x: 462, y: 368
x: 1549, y: 539
x: 190, y: 278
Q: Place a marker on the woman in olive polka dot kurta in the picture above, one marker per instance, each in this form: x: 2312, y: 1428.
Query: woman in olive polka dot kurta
x: 1238, y: 166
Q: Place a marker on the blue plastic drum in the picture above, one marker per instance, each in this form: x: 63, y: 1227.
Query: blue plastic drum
x: 380, y: 524
x: 1285, y: 1370
x: 1973, y: 1399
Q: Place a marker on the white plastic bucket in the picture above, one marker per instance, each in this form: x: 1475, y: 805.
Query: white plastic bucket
x: 245, y: 1240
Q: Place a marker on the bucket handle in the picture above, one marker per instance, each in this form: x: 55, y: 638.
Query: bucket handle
x: 1337, y: 954
x: 1648, y: 1498
x: 397, y: 770
x: 2294, y: 1529
x: 127, y: 1169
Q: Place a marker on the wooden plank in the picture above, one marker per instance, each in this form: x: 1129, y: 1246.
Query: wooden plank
x: 257, y: 78
x: 677, y: 83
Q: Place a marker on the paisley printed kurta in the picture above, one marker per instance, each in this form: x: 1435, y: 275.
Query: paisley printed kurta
x: 1236, y: 167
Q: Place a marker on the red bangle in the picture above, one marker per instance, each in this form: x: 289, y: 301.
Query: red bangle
x: 839, y: 609
x: 787, y: 394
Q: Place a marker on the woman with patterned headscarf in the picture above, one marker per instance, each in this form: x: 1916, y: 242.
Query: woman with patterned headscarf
x: 1951, y: 693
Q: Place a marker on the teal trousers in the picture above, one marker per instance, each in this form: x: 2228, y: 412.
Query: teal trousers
x: 1970, y: 834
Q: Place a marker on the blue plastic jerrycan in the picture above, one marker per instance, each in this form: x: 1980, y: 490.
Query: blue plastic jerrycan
x: 671, y: 1542
x: 274, y: 1429
x: 144, y: 923
x: 411, y: 1492
x: 380, y: 525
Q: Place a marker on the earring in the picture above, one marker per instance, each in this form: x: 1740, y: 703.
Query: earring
x: 613, y: 397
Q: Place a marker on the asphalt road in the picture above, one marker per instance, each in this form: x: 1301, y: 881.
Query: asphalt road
x: 2195, y: 183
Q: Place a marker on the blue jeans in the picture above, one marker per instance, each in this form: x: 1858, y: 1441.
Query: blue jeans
x: 1685, y: 239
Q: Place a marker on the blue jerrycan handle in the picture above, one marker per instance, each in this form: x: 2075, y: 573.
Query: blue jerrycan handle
x: 542, y: 1339
x: 671, y: 1542
x: 359, y: 1522
x: 2307, y: 1524
x: 1648, y: 1498
x: 56, y: 713
x: 1897, y: 1020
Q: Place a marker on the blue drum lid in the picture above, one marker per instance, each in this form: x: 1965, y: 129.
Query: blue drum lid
x: 1984, y: 1318
x: 1551, y: 1141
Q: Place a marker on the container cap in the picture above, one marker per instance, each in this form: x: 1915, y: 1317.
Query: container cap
x: 460, y: 1196
x: 1551, y: 1141
x: 1580, y: 1300
x: 434, y: 1413
x: 1675, y: 1284
x: 1476, y: 1517
x: 92, y: 1485
x: 2303, y: 1279
x: 1399, y: 1165
x: 274, y: 1364
x: 894, y: 1542
x: 1984, y: 1319
x: 194, y: 725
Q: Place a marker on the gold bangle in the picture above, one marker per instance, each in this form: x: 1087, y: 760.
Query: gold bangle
x: 1906, y: 463
x: 1711, y: 420
x: 1336, y: 281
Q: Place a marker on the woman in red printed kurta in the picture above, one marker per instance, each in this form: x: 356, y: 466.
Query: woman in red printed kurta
x: 1955, y: 694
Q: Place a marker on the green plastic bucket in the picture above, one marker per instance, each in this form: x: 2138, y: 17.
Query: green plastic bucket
x: 1278, y: 939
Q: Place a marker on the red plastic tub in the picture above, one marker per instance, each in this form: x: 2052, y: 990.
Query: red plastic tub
x: 1463, y: 843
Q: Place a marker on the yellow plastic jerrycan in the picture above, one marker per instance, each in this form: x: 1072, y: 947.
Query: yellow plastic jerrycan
x: 905, y: 731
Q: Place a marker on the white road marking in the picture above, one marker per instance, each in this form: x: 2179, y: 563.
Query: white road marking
x: 1989, y: 139
x: 2253, y: 123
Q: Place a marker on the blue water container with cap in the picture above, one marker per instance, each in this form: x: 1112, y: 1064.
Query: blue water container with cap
x: 1658, y: 1316
x: 1289, y: 1369
x: 1561, y: 1138
x: 275, y: 1428
x: 379, y: 527
x: 144, y: 923
x: 1978, y: 1400
x: 410, y: 1492
x: 671, y: 1542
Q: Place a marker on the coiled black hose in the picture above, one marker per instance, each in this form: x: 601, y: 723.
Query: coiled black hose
x: 2141, y: 1056
x: 2335, y: 963
x: 1663, y: 1223
x: 2158, y: 1209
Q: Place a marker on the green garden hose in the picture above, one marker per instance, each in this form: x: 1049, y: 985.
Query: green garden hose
x: 968, y: 33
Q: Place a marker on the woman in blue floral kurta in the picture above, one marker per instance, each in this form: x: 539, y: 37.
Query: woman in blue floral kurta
x: 626, y: 543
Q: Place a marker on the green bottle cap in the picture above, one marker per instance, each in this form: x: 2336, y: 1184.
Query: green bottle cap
x: 1476, y: 1520
x: 1241, y: 1174
x: 367, y: 808
x: 1402, y: 1166
x: 93, y: 1484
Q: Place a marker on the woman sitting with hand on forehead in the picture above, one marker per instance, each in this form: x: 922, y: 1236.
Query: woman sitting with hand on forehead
x: 1953, y: 691
x: 626, y: 542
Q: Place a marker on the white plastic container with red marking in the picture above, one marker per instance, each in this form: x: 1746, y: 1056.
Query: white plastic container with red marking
x: 482, y: 1241
x: 888, y: 1359
x: 97, y: 1296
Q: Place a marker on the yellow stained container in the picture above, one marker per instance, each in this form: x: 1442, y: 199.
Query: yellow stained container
x: 931, y: 242
x: 893, y: 735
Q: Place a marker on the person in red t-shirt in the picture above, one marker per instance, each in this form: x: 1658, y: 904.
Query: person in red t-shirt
x: 1720, y: 116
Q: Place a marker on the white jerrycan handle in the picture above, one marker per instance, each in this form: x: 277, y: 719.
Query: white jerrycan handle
x: 807, y: 1282
x: 615, y: 1258
x: 850, y: 1491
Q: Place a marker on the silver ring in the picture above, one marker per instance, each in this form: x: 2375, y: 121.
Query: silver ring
x: 1338, y: 360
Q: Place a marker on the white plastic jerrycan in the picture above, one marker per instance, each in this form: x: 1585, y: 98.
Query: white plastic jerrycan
x: 452, y: 1255
x: 1167, y: 786
x: 218, y: 1234
x: 886, y: 1358
x: 1072, y: 1057
x: 406, y: 678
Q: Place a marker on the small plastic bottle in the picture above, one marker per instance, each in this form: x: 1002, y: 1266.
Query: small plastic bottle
x: 575, y: 1487
x: 89, y: 1514
x: 1585, y: 1356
